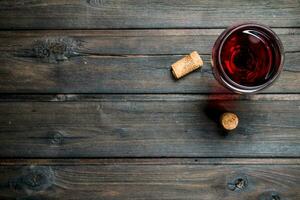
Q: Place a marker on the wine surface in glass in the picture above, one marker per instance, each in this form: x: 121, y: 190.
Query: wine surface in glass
x: 248, y: 57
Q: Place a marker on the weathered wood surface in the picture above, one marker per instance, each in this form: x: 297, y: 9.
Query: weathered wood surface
x: 149, y: 126
x: 137, y: 135
x: 128, y: 42
x: 261, y: 179
x: 95, y: 14
x: 132, y: 61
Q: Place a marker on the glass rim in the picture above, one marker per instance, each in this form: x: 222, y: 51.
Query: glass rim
x: 224, y: 78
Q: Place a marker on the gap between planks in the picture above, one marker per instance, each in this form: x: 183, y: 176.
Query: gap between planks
x: 152, y: 161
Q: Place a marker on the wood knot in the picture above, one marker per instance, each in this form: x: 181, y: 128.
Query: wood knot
x: 54, y: 50
x: 56, y: 138
x: 33, y: 179
x: 238, y: 184
x: 95, y: 3
x: 270, y: 195
x: 59, y: 97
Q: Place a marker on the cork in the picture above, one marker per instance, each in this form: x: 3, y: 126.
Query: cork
x: 186, y: 65
x: 229, y: 121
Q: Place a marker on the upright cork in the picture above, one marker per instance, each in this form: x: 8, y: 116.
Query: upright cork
x: 229, y: 121
x: 186, y: 65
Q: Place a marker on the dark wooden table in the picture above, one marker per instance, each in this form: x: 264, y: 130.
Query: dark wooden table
x: 89, y: 108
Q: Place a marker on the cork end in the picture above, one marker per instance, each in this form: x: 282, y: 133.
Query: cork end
x: 196, y: 58
x: 174, y: 73
x: 229, y: 121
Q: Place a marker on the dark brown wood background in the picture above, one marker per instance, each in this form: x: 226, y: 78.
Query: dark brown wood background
x: 89, y: 108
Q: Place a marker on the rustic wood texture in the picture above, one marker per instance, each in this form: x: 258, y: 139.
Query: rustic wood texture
x: 149, y: 126
x: 95, y: 14
x: 236, y: 179
x: 89, y: 108
x: 132, y: 61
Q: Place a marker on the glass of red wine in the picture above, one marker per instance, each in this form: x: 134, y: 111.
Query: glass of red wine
x: 247, y: 58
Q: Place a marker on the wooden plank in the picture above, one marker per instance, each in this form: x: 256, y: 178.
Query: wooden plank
x: 128, y: 42
x: 149, y: 126
x: 120, y: 61
x: 99, y: 14
x: 150, y: 179
x: 149, y: 161
x: 117, y: 74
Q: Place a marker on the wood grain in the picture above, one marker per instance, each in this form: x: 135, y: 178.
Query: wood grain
x: 120, y: 61
x: 149, y: 126
x: 130, y: 42
x: 150, y: 179
x: 58, y: 141
x: 99, y: 14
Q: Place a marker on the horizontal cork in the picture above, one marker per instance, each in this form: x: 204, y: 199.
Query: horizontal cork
x: 187, y: 64
x: 229, y: 121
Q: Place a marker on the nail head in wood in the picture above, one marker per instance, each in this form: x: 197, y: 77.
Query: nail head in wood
x: 229, y: 121
x: 186, y: 65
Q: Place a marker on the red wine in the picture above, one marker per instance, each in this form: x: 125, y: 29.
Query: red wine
x: 247, y: 57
